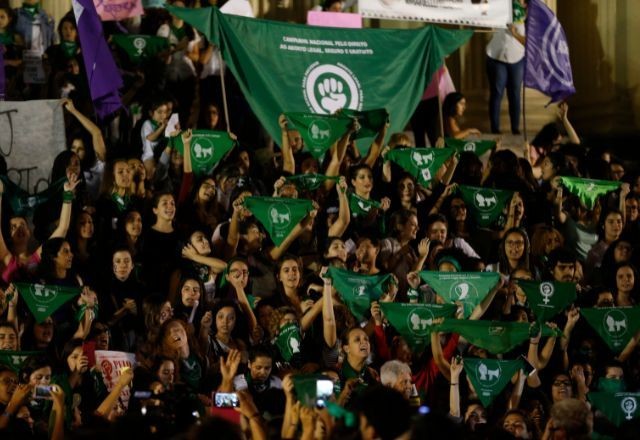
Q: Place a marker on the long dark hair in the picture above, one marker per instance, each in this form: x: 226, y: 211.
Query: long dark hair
x: 449, y: 104
x: 50, y: 249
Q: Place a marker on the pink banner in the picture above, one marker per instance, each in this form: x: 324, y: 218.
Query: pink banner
x: 334, y: 19
x: 442, y: 83
x: 115, y: 10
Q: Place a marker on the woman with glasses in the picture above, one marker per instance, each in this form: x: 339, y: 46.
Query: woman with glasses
x: 513, y: 253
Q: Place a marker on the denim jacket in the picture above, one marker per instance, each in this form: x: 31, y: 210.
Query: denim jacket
x: 24, y: 26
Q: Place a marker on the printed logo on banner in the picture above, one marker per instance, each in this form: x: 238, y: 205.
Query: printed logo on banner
x: 487, y: 376
x: 629, y: 406
x: 485, y: 200
x: 546, y: 290
x: 140, y: 44
x: 330, y: 87
x: 555, y: 45
x: 360, y: 290
x: 615, y: 323
x: 280, y: 215
x: 43, y: 294
x: 470, y: 146
x: 203, y: 149
x: 320, y: 132
x: 419, y: 320
x: 463, y: 291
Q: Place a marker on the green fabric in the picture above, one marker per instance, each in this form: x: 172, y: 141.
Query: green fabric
x: 310, y: 182
x: 371, y: 122
x: 191, y: 372
x: 139, y: 47
x: 357, y: 290
x: 490, y: 376
x: 615, y: 325
x: 69, y: 48
x: 547, y: 299
x: 421, y: 163
x: 22, y: 202
x: 278, y: 215
x: 519, y: 12
x: 43, y: 300
x: 617, y: 407
x: 208, y: 148
x: 478, y: 147
x: 289, y: 341
x: 496, y: 337
x: 611, y: 385
x: 179, y: 33
x: 305, y: 386
x: 32, y: 10
x: 588, y: 190
x: 122, y: 202
x: 15, y: 359
x: 485, y: 204
x: 414, y: 321
x: 319, y: 132
x: 290, y: 67
x: 6, y: 38
x: 361, y: 207
x: 469, y: 288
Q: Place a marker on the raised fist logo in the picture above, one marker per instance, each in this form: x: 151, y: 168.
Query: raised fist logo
x: 331, y: 94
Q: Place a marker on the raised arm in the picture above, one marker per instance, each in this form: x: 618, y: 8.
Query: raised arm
x: 563, y: 112
x: 126, y: 376
x: 5, y: 253
x: 479, y: 310
x: 216, y: 265
x: 277, y: 251
x: 376, y: 146
x: 457, y: 365
x: 65, y: 213
x: 328, y: 318
x: 288, y: 161
x: 96, y: 135
x: 344, y: 213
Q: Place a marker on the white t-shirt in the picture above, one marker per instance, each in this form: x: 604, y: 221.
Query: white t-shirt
x: 505, y: 47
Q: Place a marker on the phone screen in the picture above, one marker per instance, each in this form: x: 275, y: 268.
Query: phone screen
x: 42, y: 392
x: 89, y: 350
x: 226, y: 400
x: 324, y: 390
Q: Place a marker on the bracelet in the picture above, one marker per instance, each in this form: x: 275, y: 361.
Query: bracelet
x: 68, y: 196
x: 533, y: 343
x: 453, y: 384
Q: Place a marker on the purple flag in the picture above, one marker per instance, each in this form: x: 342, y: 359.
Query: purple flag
x: 2, y: 77
x: 102, y: 72
x: 548, y: 68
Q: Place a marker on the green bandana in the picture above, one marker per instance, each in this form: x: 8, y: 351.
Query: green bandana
x: 208, y: 147
x: 310, y: 182
x: 32, y: 10
x: 319, y: 132
x: 496, y: 337
x: 191, y: 371
x: 519, y: 12
x: 357, y: 290
x: 478, y: 147
x: 154, y: 124
x: 485, y: 204
x: 278, y: 215
x: 122, y: 202
x: 20, y: 200
x: 617, y: 407
x: 44, y: 300
x: 6, y: 38
x: 15, y: 359
x: 371, y: 122
x: 469, y: 288
x: 490, y: 376
x: 588, y: 190
x: 414, y: 321
x: 610, y: 385
x: 421, y: 163
x: 361, y: 207
x: 289, y: 341
x: 338, y: 412
x: 139, y: 47
x: 306, y: 388
x: 547, y: 299
x: 615, y: 325
x: 179, y: 33
x: 69, y: 48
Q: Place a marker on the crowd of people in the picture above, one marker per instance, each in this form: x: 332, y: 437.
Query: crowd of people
x: 229, y: 325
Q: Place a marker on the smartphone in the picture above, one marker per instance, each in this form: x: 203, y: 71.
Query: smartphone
x: 324, y: 390
x: 172, y: 124
x: 42, y: 392
x: 528, y: 369
x: 226, y: 400
x: 142, y: 394
x: 89, y: 350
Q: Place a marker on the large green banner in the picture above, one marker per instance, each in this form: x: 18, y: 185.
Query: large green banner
x: 283, y: 67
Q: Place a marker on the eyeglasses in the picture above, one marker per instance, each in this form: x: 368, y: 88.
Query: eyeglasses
x: 561, y: 383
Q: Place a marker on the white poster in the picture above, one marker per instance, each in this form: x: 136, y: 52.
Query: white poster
x: 31, y: 136
x: 111, y: 364
x: 481, y: 13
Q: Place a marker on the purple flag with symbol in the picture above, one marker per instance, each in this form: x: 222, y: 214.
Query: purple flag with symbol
x: 102, y: 72
x: 548, y: 68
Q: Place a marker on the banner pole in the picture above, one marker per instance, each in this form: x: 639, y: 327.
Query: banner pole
x: 224, y: 92
x: 444, y: 64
